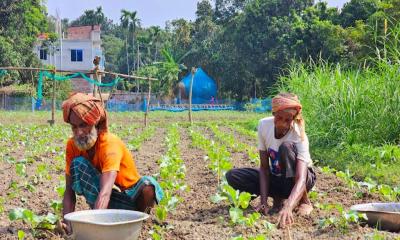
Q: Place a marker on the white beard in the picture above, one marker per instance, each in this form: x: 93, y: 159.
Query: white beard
x: 88, y: 141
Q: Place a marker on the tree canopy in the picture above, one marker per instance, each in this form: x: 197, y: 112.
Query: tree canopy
x: 244, y: 45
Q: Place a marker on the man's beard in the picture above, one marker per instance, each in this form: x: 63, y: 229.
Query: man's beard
x: 86, y: 142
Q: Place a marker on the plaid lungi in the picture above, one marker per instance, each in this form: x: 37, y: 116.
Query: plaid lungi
x: 86, y: 182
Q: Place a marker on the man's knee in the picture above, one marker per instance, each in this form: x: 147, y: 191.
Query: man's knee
x: 230, y: 176
x: 149, y: 191
x: 287, y: 148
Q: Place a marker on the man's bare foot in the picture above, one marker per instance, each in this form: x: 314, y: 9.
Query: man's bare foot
x: 304, y: 209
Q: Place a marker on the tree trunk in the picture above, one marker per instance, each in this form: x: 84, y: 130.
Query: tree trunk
x: 137, y: 68
x: 190, y: 95
x: 127, y: 55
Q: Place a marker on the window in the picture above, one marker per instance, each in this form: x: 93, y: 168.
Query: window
x: 76, y: 55
x: 43, y: 54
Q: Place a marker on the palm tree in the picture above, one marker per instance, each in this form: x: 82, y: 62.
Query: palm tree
x: 130, y: 23
x: 155, y: 39
x: 125, y: 23
x: 99, y: 15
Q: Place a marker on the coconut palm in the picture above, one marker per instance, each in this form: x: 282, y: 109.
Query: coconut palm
x: 130, y: 23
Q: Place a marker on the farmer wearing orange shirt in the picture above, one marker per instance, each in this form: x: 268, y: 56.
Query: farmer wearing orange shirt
x: 98, y: 164
x: 285, y: 172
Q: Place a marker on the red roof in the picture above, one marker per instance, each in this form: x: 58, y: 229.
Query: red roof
x: 81, y: 32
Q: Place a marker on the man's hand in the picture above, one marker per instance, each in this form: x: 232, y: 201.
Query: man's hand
x: 261, y: 208
x: 286, y: 214
x: 285, y: 217
x: 69, y: 201
x: 102, y: 202
x: 66, y: 226
x: 107, y: 180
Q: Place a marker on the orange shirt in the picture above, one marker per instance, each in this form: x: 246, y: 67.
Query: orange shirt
x: 111, y: 154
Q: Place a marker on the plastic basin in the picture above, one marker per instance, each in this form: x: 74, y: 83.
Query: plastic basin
x: 106, y: 224
x: 385, y: 216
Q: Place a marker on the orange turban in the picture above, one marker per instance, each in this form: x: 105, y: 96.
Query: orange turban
x: 286, y: 101
x: 89, y: 109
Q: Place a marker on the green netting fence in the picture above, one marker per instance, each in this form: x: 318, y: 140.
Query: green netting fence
x: 56, y: 77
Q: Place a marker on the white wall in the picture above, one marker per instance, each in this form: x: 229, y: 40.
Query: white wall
x: 89, y: 52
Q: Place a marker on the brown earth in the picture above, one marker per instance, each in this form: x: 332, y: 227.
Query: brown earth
x: 196, y: 217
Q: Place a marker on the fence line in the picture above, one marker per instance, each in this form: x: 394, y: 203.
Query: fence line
x: 15, y: 103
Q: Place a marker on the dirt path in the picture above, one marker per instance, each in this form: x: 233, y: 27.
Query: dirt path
x: 197, y: 216
x: 150, y: 151
x: 146, y: 161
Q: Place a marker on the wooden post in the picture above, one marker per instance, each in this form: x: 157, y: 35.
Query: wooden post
x: 53, y: 100
x: 4, y: 100
x: 94, y: 76
x: 111, y: 92
x: 190, y: 95
x: 137, y: 67
x: 97, y: 77
x: 147, y: 104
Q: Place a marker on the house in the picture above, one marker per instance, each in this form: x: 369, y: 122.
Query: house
x: 74, y: 53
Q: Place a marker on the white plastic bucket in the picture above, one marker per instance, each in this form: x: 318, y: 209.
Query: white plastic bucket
x: 106, y: 224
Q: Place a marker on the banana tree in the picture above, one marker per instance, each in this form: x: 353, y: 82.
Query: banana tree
x: 169, y: 70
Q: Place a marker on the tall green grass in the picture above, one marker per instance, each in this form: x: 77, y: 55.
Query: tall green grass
x: 348, y: 106
x: 353, y: 115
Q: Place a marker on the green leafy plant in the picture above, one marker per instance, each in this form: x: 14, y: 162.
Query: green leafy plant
x: 235, y: 145
x: 345, y: 219
x: 258, y: 237
x: 172, y: 180
x: 135, y: 143
x: 35, y: 222
x: 238, y: 201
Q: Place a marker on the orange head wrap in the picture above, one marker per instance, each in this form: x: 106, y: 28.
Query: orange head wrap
x: 89, y: 109
x: 288, y: 101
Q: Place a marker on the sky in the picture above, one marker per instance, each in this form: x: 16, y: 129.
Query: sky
x: 150, y: 12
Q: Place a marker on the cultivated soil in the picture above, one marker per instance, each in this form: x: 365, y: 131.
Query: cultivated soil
x: 196, y: 217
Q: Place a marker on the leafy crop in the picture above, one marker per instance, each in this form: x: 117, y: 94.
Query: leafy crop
x: 345, y: 219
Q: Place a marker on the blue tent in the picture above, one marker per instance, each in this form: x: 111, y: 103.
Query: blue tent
x: 204, y: 87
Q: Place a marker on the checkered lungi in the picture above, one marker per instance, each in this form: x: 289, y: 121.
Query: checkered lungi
x: 86, y: 182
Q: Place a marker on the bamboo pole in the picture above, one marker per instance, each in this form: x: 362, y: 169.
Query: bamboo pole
x: 98, y: 79
x: 85, y: 72
x: 130, y: 76
x: 190, y: 95
x: 94, y: 85
x: 147, y: 105
x: 100, y: 96
x: 53, y: 101
x: 95, y: 76
x: 109, y: 96
x: 4, y: 100
x: 96, y: 72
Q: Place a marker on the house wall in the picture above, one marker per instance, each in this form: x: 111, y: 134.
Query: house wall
x: 89, y: 52
x: 85, y: 38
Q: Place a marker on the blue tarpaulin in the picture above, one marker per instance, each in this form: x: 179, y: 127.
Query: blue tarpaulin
x: 204, y: 89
